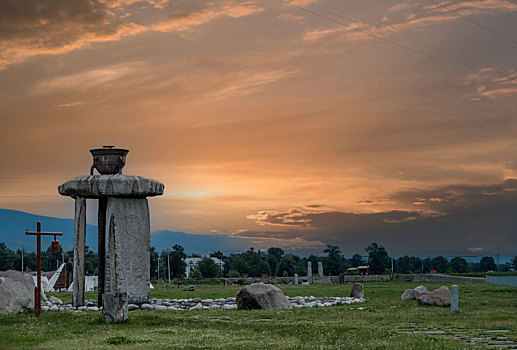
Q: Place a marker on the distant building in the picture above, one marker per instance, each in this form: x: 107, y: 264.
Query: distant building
x: 360, y: 270
x: 193, y: 262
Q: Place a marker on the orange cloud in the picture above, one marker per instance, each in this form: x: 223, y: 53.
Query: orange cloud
x: 491, y: 84
x: 419, y: 17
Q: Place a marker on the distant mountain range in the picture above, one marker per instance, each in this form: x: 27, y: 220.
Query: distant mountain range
x: 13, y: 225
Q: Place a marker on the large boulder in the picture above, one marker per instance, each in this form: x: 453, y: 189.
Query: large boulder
x: 262, y: 296
x: 357, y: 290
x: 410, y: 294
x: 422, y: 290
x: 438, y: 297
x: 17, y: 294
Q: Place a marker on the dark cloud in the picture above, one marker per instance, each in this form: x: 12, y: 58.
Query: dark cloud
x: 446, y: 220
x: 29, y: 27
x: 33, y: 27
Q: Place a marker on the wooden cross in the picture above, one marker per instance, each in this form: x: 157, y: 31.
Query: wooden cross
x: 37, y: 289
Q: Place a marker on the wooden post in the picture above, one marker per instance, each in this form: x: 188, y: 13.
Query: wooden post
x: 37, y: 289
x: 101, y: 248
x: 37, y: 300
x: 79, y: 243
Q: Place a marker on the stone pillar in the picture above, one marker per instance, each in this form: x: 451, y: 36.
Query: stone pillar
x: 295, y: 278
x: 101, y: 248
x: 320, y: 269
x: 127, y: 245
x: 79, y: 242
x: 309, y: 269
x: 454, y: 298
x: 114, y: 308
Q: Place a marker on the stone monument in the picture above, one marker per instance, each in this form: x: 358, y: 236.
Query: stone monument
x: 123, y: 226
x: 295, y: 278
x: 320, y: 269
x: 454, y: 298
x: 309, y: 269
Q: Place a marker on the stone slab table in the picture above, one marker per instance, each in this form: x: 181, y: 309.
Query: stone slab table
x: 123, y: 233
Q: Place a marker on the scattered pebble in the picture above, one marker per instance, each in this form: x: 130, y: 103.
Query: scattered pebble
x: 297, y: 302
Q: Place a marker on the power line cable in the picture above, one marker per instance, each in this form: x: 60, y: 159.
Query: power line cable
x: 428, y: 55
x: 463, y: 63
x: 474, y: 22
x: 394, y: 42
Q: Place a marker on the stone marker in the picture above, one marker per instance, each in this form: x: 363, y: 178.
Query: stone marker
x: 357, y: 290
x: 320, y: 269
x: 127, y: 248
x: 114, y: 307
x: 262, y: 296
x: 17, y: 294
x: 438, y: 297
x: 295, y: 278
x: 454, y: 298
x: 309, y: 269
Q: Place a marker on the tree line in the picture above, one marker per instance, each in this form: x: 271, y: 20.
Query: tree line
x: 256, y: 263
x: 275, y: 262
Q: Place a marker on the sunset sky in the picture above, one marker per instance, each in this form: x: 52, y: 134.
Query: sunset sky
x: 290, y: 123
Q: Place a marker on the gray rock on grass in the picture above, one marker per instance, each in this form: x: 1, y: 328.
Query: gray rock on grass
x: 410, y: 294
x: 17, y: 294
x: 422, y: 290
x: 357, y: 290
x: 438, y: 297
x: 262, y: 296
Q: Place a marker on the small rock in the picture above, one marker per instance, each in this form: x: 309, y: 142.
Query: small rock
x: 146, y: 307
x: 54, y: 308
x: 160, y: 307
x: 55, y: 300
x: 197, y: 307
x: 132, y: 307
x: 92, y: 308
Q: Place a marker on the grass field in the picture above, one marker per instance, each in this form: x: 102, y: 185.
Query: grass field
x: 487, y: 317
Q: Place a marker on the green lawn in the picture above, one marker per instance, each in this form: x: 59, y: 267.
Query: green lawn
x: 387, y: 323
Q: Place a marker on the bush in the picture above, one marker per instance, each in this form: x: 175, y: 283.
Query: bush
x: 208, y: 268
x: 196, y: 274
x: 235, y: 274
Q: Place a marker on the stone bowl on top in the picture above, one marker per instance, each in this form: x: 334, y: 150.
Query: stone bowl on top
x: 108, y: 160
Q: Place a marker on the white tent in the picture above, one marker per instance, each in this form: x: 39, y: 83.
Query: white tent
x: 45, y: 284
x: 55, y: 276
